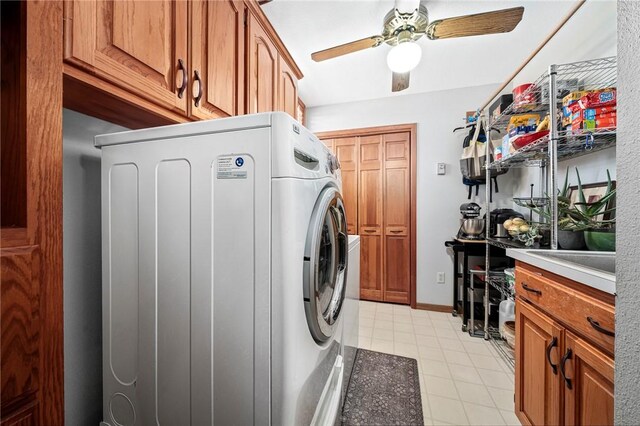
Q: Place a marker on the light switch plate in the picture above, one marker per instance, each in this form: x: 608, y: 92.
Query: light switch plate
x: 441, y: 168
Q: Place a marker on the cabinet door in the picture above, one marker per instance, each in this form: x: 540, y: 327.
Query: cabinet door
x: 370, y: 218
x: 287, y: 90
x: 537, y: 382
x: 262, y: 69
x: 588, y: 390
x: 217, y: 55
x: 346, y: 150
x: 135, y: 44
x: 397, y: 217
x: 20, y: 325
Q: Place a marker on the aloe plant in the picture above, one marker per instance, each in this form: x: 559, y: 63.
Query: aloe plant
x: 582, y: 215
x: 587, y: 214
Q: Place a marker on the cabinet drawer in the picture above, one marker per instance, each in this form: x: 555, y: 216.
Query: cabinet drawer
x: 587, y: 315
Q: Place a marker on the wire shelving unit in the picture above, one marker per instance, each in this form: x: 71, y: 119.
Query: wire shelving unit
x: 545, y: 152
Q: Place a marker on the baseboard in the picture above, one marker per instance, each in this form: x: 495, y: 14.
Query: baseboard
x: 437, y: 308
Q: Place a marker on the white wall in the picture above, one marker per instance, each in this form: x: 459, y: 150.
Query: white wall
x: 593, y: 168
x: 82, y: 268
x: 438, y: 197
x: 627, y: 389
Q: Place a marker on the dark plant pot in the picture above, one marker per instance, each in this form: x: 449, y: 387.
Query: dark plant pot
x: 571, y: 240
x: 600, y: 240
x: 545, y: 237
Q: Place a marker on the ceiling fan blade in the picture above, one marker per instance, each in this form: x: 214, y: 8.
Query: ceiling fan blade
x: 498, y: 21
x: 346, y: 48
x: 400, y: 81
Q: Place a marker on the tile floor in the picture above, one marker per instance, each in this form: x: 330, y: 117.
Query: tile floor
x: 463, y: 379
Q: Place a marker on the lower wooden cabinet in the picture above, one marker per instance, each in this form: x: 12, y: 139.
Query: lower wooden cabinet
x: 588, y: 393
x: 537, y: 377
x: 564, y: 376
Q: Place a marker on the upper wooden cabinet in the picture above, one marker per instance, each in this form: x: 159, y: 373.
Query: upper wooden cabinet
x: 216, y: 57
x: 142, y: 63
x: 287, y: 90
x: 262, y: 69
x: 136, y: 45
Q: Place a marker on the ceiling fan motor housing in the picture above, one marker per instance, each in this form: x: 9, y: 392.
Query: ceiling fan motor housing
x: 401, y: 27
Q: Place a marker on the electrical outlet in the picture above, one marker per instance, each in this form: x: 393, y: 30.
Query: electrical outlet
x: 440, y: 277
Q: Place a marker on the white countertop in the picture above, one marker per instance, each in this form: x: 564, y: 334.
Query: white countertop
x: 595, y: 278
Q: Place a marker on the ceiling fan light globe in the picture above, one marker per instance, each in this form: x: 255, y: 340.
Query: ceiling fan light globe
x: 404, y: 57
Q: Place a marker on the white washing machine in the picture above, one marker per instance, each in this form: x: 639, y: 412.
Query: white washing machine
x: 224, y: 274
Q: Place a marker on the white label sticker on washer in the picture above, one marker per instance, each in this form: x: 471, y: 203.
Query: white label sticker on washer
x: 231, y: 167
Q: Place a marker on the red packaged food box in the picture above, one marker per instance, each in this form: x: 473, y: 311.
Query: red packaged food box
x: 586, y: 115
x: 602, y: 98
x: 520, y: 98
x: 592, y: 113
x: 598, y: 123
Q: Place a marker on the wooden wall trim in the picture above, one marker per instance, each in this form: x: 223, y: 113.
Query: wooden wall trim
x: 43, y: 130
x: 366, y: 131
x: 434, y: 308
x: 412, y: 128
x: 414, y: 191
x: 257, y: 11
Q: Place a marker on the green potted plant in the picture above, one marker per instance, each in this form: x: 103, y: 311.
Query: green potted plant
x: 582, y: 223
x: 599, y: 233
x: 570, y: 229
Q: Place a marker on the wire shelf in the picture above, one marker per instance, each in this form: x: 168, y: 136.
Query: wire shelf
x: 536, y: 92
x: 595, y: 74
x: 571, y: 144
x: 530, y: 202
x: 505, y: 243
x: 501, y: 346
x: 498, y: 280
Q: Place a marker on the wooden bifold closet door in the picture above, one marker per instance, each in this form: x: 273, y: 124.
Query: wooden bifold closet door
x: 377, y: 189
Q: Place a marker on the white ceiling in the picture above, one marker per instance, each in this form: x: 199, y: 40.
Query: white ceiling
x: 306, y: 26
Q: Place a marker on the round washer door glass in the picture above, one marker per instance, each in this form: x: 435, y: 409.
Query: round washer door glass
x: 325, y: 264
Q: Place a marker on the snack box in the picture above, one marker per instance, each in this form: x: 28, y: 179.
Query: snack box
x: 601, y: 98
x: 523, y: 120
x: 598, y: 123
x: 522, y: 130
x: 593, y: 113
x: 573, y: 97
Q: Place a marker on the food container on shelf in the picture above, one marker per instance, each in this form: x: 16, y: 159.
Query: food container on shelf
x: 520, y: 98
x: 506, y: 312
x: 524, y: 140
x: 508, y: 333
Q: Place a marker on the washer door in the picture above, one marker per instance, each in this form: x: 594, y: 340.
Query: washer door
x: 325, y: 264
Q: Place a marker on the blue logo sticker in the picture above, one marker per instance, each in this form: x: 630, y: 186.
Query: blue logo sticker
x: 239, y: 161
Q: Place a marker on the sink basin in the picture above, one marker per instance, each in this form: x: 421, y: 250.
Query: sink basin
x: 605, y: 262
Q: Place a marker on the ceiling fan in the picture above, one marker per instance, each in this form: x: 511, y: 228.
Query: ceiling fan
x: 407, y: 22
